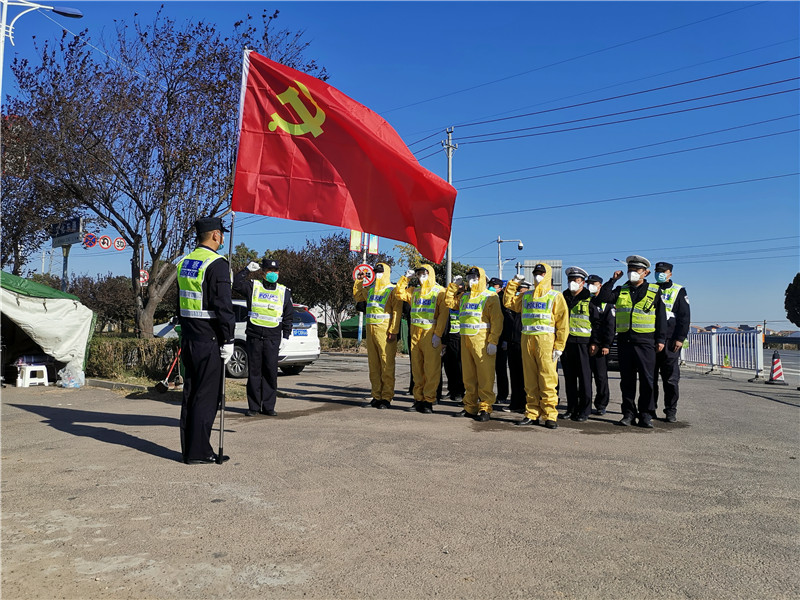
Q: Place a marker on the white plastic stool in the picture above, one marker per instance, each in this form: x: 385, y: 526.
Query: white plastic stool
x: 28, y: 375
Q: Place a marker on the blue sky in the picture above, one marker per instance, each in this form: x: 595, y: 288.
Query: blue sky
x: 732, y: 229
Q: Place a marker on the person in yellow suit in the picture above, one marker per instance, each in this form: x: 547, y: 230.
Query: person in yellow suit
x: 384, y: 312
x: 545, y: 329
x: 481, y: 320
x: 429, y: 316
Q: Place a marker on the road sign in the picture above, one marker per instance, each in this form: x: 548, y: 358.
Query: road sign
x: 144, y: 277
x: 104, y: 242
x: 68, y: 239
x: 368, y: 273
x: 119, y: 244
x: 90, y: 240
x: 67, y: 232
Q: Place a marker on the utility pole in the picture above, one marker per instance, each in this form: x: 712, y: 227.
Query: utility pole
x: 364, y: 245
x: 65, y: 267
x: 449, y: 148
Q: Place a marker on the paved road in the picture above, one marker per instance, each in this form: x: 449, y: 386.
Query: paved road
x: 331, y: 500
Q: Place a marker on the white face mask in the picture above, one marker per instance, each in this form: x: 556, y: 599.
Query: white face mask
x: 633, y: 276
x: 472, y: 282
x: 423, y: 278
x: 594, y: 288
x: 574, y: 286
x: 539, y: 278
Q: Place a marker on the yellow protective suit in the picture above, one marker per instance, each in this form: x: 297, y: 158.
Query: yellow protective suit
x: 538, y: 366
x: 381, y: 351
x: 426, y: 361
x: 477, y: 366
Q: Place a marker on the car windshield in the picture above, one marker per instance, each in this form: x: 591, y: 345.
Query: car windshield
x: 303, y: 319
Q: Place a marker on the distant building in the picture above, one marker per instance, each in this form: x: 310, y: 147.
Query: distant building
x: 527, y: 271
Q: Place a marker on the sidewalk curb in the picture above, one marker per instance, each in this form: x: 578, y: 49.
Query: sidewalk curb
x: 114, y: 385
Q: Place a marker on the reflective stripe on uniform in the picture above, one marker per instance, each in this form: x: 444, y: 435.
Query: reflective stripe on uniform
x: 191, y: 273
x: 537, y: 313
x: 470, y: 311
x: 635, y: 317
x: 376, y: 305
x: 423, y: 307
x: 579, y: 323
x: 266, y: 306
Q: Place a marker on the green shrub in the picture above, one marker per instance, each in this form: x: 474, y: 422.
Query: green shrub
x: 328, y: 344
x: 111, y: 357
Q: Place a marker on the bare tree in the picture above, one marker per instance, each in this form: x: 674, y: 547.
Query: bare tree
x: 145, y: 137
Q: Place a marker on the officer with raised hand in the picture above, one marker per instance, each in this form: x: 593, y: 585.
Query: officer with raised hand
x: 384, y: 314
x: 429, y: 316
x: 497, y: 286
x: 545, y: 328
x: 481, y: 322
x: 679, y: 318
x: 269, y: 325
x: 600, y: 344
x: 641, y: 324
x: 207, y: 328
x: 575, y: 361
x: 451, y: 360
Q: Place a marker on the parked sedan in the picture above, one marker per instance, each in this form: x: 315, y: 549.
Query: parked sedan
x: 302, y: 348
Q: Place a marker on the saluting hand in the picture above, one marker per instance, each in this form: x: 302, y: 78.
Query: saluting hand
x: 617, y: 275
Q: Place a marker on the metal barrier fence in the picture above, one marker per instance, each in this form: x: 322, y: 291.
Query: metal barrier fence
x: 743, y: 350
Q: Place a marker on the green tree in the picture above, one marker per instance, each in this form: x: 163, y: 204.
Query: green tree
x: 792, y: 301
x: 145, y: 136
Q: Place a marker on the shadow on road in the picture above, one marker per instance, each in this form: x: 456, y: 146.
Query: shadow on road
x: 796, y: 403
x: 74, y: 422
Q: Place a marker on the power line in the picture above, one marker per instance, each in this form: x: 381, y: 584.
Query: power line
x: 688, y: 137
x: 428, y: 155
x: 629, y: 160
x: 673, y: 112
x: 663, y: 87
x: 634, y: 196
x: 773, y: 239
x: 567, y: 60
x: 427, y: 137
x: 629, y: 111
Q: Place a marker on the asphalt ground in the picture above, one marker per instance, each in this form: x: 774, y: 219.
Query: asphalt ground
x: 333, y: 500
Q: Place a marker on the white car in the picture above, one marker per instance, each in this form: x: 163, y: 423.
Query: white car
x: 301, y: 350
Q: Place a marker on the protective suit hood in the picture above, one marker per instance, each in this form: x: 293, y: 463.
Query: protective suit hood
x: 383, y: 279
x: 431, y: 281
x: 473, y: 292
x: 546, y: 284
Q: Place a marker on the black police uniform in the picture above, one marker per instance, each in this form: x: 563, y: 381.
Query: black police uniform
x: 668, y: 361
x: 203, y: 367
x: 518, y: 398
x: 575, y: 363
x: 602, y: 337
x: 451, y: 361
x: 637, y: 354
x: 263, y: 344
x: 501, y: 363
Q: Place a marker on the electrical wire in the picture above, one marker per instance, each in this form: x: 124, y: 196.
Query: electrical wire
x: 631, y: 197
x: 427, y: 137
x: 673, y: 112
x: 628, y: 95
x: 567, y: 60
x: 688, y: 137
x: 629, y: 111
x: 428, y: 155
x: 629, y: 160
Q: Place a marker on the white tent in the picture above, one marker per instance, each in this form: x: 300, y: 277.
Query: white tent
x: 56, y: 322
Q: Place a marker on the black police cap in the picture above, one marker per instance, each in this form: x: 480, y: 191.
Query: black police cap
x: 209, y: 224
x: 663, y: 266
x: 495, y: 282
x: 594, y: 279
x: 269, y: 265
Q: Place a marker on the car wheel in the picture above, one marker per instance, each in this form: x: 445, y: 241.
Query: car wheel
x: 293, y: 369
x: 237, y: 365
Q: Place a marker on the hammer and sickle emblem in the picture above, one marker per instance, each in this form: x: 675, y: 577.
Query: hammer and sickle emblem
x: 310, y: 123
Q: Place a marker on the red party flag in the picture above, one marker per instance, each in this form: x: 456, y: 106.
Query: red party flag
x: 308, y: 152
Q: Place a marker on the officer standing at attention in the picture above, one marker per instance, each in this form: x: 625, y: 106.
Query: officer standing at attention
x: 545, y: 328
x: 515, y: 369
x: 575, y: 361
x: 428, y: 321
x: 384, y: 314
x: 601, y: 341
x: 452, y: 357
x: 207, y: 329
x: 641, y: 333
x: 501, y: 360
x: 668, y: 360
x: 481, y: 322
x: 269, y: 325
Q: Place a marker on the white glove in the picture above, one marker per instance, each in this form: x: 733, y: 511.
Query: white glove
x: 491, y: 349
x: 458, y: 279
x: 410, y: 273
x: 556, y: 355
x: 253, y: 267
x: 436, y: 341
x: 226, y: 352
x: 284, y: 341
x: 519, y: 278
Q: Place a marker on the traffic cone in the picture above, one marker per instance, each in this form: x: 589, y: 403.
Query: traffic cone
x: 776, y: 374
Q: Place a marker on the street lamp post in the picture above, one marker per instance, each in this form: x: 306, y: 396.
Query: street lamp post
x: 7, y: 29
x: 499, y: 256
